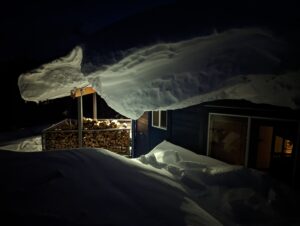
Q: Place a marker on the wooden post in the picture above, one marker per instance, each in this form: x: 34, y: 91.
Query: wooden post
x: 248, y: 142
x: 295, y: 181
x: 79, y: 92
x: 80, y: 121
x: 94, y: 105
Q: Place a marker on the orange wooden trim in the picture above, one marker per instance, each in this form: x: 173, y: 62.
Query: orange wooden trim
x: 82, y: 91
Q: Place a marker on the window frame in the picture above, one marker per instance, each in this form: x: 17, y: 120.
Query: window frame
x: 232, y: 116
x: 159, y: 120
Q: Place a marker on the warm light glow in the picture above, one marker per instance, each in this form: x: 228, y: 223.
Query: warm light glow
x: 288, y: 147
x: 278, y: 144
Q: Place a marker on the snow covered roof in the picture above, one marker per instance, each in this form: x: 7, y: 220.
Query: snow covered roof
x: 235, y: 64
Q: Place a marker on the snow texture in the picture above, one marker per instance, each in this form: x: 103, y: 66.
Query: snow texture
x: 31, y: 144
x: 168, y: 186
x: 233, y: 194
x: 235, y: 64
x: 53, y: 80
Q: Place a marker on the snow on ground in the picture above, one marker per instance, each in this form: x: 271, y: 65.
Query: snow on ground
x: 92, y: 186
x: 235, y: 64
x: 168, y: 186
x: 31, y: 144
x: 232, y: 194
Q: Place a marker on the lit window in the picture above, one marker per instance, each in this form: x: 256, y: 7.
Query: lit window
x: 283, y: 146
x: 159, y: 119
x: 278, y: 144
x: 288, y: 147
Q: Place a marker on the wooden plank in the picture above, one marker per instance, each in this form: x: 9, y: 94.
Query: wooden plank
x: 82, y: 91
x: 95, y: 106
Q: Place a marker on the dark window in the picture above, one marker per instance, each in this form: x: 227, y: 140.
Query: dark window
x: 163, y: 119
x: 155, y: 118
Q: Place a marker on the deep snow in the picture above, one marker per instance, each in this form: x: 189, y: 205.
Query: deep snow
x: 168, y: 186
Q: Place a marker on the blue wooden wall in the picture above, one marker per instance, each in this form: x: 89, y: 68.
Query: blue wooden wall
x: 156, y: 135
x: 189, y: 128
x: 186, y: 127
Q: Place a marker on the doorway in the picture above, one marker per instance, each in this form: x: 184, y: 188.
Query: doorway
x: 265, y: 144
x: 227, y: 138
x: 142, y: 136
x: 272, y: 147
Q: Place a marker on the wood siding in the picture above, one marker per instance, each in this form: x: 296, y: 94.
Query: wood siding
x: 189, y: 128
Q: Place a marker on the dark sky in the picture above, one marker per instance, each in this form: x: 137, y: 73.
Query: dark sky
x: 37, y: 29
x: 36, y: 32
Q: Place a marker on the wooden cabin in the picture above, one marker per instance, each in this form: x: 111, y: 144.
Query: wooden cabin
x: 258, y: 136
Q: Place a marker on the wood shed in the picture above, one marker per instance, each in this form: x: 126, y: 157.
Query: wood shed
x: 111, y: 134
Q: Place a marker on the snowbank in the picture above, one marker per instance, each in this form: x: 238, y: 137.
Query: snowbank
x: 168, y: 186
x: 92, y: 186
x: 232, y: 194
x: 235, y: 64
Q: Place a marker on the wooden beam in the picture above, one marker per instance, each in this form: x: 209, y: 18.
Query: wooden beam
x: 80, y: 121
x: 95, y: 105
x: 79, y: 92
x: 82, y: 91
x: 296, y: 154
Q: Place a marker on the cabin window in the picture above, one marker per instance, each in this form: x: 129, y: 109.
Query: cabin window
x: 288, y: 147
x: 228, y: 138
x: 282, y: 145
x: 159, y: 119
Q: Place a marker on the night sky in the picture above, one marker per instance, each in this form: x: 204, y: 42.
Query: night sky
x: 37, y: 32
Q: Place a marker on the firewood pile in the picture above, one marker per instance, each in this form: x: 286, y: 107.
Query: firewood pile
x: 113, y: 135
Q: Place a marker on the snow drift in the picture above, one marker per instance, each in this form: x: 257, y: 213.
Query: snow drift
x: 53, y: 80
x: 235, y: 64
x: 168, y: 186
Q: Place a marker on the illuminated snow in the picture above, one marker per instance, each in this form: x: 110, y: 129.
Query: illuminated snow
x: 53, y: 80
x: 235, y: 64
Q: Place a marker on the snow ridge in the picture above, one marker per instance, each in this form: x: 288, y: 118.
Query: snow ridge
x: 235, y: 64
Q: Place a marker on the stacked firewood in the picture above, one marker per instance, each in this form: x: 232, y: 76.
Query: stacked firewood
x: 60, y: 140
x: 114, y: 140
x: 108, y: 134
x: 94, y: 124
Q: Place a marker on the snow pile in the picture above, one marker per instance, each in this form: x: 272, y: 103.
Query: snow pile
x: 32, y: 144
x: 232, y: 194
x: 235, y: 64
x: 92, y: 186
x: 168, y: 186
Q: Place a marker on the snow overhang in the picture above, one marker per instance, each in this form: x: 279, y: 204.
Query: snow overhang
x: 235, y: 64
x: 55, y: 79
